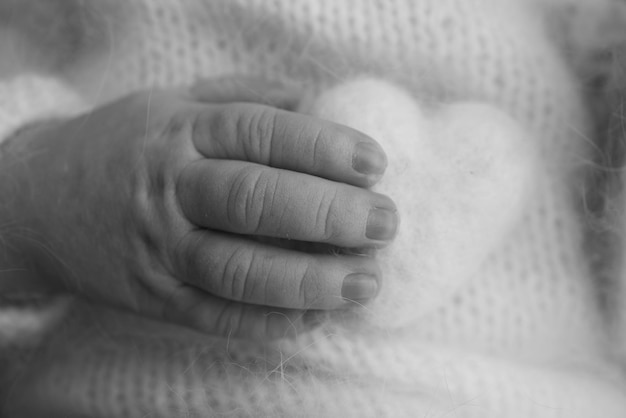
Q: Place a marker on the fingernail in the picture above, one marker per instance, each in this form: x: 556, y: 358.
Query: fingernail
x: 381, y: 224
x: 369, y: 159
x: 359, y: 286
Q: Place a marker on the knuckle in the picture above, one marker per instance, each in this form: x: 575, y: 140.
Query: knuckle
x: 252, y: 277
x: 237, y: 274
x: 248, y: 127
x: 242, y: 204
x: 259, y: 126
x: 247, y: 275
x: 308, y: 289
x: 251, y: 199
x: 316, y: 147
x: 326, y: 219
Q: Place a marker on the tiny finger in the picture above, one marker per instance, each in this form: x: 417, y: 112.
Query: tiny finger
x: 287, y: 140
x: 213, y: 315
x: 251, y: 199
x: 238, y: 269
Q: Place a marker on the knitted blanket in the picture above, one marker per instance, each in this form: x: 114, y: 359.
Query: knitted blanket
x: 489, y: 306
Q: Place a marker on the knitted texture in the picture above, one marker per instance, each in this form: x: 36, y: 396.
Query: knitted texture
x: 520, y: 334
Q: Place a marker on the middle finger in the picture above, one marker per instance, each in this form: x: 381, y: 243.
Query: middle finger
x: 248, y: 198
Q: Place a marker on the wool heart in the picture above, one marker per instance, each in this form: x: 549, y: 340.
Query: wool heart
x: 459, y: 174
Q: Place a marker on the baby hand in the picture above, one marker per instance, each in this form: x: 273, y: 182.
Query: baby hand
x: 152, y: 203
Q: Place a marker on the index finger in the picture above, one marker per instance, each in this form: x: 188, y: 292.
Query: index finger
x: 287, y: 140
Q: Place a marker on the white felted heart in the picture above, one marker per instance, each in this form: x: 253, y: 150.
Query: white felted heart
x: 459, y: 174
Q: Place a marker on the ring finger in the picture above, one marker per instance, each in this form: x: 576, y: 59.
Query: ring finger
x: 239, y: 269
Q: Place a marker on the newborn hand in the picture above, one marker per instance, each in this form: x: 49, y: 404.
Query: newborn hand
x: 151, y: 203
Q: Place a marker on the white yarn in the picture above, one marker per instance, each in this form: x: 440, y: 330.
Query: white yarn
x: 460, y: 174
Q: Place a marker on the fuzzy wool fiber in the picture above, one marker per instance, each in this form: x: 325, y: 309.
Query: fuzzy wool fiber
x: 490, y: 306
